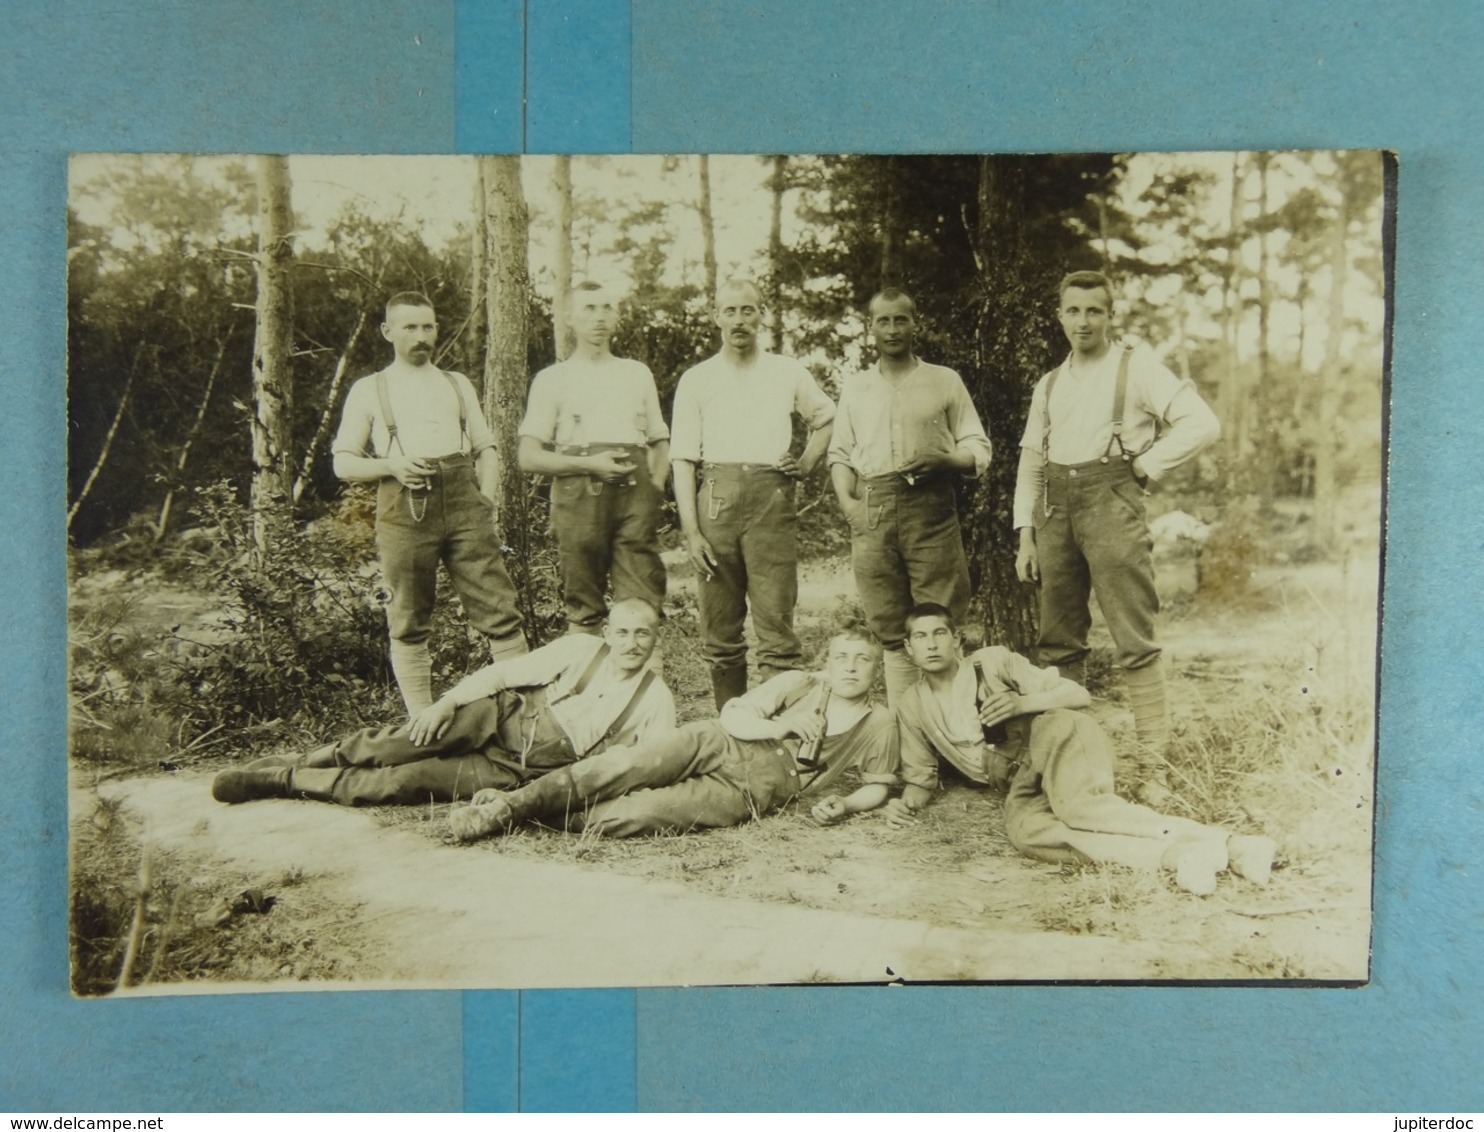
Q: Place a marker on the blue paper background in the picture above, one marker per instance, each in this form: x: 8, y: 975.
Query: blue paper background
x: 656, y: 75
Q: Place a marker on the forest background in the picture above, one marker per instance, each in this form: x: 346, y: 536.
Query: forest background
x: 220, y: 307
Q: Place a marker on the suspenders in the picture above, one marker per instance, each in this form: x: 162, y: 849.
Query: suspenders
x: 389, y: 418
x: 1120, y: 394
x: 617, y: 726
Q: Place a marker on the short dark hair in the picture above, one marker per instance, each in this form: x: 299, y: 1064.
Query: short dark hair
x: 925, y: 609
x: 1086, y: 280
x: 891, y: 295
x: 588, y: 285
x: 408, y: 299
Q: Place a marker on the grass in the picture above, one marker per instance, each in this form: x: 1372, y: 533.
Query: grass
x: 140, y: 915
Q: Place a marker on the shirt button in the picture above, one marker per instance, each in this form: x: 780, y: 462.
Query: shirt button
x: 1072, y: 472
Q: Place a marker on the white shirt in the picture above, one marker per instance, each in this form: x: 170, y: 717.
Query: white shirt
x: 725, y: 414
x: 579, y: 401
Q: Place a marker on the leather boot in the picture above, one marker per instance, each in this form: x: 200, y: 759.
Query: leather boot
x: 728, y: 683
x: 315, y: 783
x: 248, y: 785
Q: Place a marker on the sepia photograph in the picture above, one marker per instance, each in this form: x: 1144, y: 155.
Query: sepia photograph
x: 593, y: 571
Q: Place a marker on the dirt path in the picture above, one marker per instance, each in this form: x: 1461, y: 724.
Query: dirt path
x: 448, y: 916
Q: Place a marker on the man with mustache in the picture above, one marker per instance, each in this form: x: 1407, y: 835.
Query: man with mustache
x: 417, y: 432
x: 1103, y: 426
x: 734, y: 489
x: 903, y: 429
x: 801, y: 733
x: 593, y: 424
x: 503, y: 725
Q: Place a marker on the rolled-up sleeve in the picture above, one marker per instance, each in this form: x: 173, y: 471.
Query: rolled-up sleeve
x: 968, y: 429
x: 919, y: 760
x: 881, y: 759
x: 811, y: 402
x: 842, y: 440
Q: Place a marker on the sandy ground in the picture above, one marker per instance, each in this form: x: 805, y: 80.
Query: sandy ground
x: 445, y: 916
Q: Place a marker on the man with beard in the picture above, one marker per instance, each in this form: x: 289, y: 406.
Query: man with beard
x: 903, y: 428
x: 801, y: 733
x: 503, y: 725
x: 734, y: 489
x: 417, y: 432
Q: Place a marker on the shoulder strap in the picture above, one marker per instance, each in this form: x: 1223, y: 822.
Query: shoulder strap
x: 1046, y: 415
x: 629, y: 708
x: 591, y: 670
x: 388, y: 418
x: 1120, y: 393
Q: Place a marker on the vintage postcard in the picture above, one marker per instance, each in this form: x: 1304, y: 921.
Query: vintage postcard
x: 663, y: 570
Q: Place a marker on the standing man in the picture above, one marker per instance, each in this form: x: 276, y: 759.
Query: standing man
x: 903, y: 427
x: 593, y: 424
x: 418, y: 433
x: 734, y: 489
x: 503, y: 725
x: 1055, y: 761
x: 1103, y: 425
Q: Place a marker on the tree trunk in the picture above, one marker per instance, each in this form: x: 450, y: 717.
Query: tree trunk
x: 273, y: 387
x: 561, y: 329
x: 1012, y: 350
x: 708, y: 227
x: 775, y: 250
x: 1331, y: 381
x: 508, y: 289
x: 891, y: 223
x: 327, y: 417
x: 113, y: 429
x: 1231, y: 401
x: 475, y: 330
x: 162, y: 524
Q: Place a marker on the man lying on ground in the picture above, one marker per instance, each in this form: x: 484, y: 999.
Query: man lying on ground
x: 1057, y: 762
x: 798, y: 733
x: 503, y: 725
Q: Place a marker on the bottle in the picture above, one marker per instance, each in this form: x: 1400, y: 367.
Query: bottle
x: 809, y: 751
x: 996, y: 733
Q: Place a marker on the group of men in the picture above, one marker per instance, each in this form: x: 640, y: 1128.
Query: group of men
x: 582, y: 731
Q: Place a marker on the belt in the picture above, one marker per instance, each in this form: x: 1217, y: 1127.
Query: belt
x: 1104, y: 466
x: 713, y: 466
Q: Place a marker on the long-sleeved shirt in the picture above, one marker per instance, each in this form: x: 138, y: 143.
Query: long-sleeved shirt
x: 868, y: 745
x: 1165, y: 422
x: 946, y: 725
x: 884, y: 422
x: 729, y: 415
x: 587, y: 715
